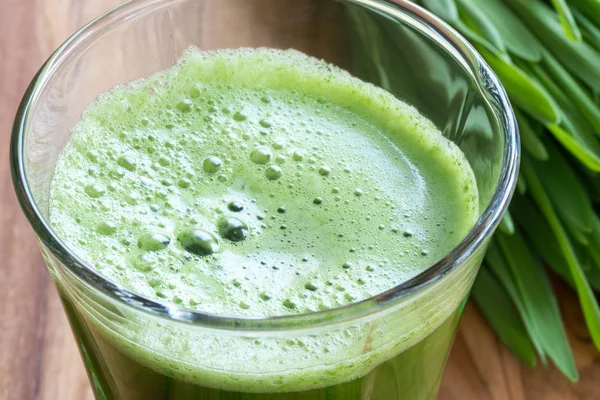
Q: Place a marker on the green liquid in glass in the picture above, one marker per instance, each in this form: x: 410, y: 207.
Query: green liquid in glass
x: 259, y: 183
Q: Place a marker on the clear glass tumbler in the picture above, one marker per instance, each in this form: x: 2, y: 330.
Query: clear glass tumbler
x: 398, y: 341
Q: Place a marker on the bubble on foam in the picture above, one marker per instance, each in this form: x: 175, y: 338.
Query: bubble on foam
x: 324, y: 170
x: 184, y: 183
x: 93, y: 155
x: 232, y: 228
x: 235, y: 206
x: 273, y: 172
x: 95, y: 190
x: 185, y: 105
x: 198, y: 241
x: 278, y: 144
x: 106, y: 228
x: 298, y: 155
x: 260, y: 155
x: 212, y: 164
x: 153, y: 241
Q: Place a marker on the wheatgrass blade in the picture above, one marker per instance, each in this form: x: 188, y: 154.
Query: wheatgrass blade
x: 498, y: 310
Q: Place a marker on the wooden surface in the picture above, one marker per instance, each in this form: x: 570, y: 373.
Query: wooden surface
x: 38, y: 357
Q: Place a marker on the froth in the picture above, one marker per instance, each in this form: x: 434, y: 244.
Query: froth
x: 259, y: 182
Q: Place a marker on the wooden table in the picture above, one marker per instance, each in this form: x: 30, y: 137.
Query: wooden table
x: 38, y: 357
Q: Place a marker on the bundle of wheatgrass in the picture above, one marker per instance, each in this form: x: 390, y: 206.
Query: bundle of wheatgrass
x: 547, y: 55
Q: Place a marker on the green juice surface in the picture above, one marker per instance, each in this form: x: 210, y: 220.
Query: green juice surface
x: 259, y: 183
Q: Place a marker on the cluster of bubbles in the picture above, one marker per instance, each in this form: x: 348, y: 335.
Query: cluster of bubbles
x: 195, y: 240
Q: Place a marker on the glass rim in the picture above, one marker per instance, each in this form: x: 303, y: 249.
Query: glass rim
x: 402, y: 10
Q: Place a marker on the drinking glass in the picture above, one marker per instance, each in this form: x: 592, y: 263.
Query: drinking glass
x: 395, y: 344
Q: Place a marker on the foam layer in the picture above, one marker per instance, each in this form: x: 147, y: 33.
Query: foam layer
x: 262, y: 183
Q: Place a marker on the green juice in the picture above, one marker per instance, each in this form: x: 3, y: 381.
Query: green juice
x: 259, y: 183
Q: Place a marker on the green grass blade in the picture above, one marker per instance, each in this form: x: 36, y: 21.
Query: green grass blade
x: 479, y: 23
x: 523, y: 91
x: 564, y: 190
x: 571, y: 116
x: 516, y: 36
x: 593, y: 249
x: 592, y: 183
x: 576, y: 147
x: 591, y: 8
x: 587, y: 300
x: 521, y: 184
x: 445, y: 9
x: 498, y: 310
x: 573, y: 90
x: 497, y: 264
x: 593, y: 186
x: 588, y: 264
x: 567, y: 20
x: 476, y: 38
x: 506, y: 224
x: 578, y: 57
x: 529, y: 139
x: 540, y: 301
x: 540, y: 236
x: 573, y: 121
x: 591, y: 32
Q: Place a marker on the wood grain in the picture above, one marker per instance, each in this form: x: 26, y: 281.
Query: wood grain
x: 38, y: 357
